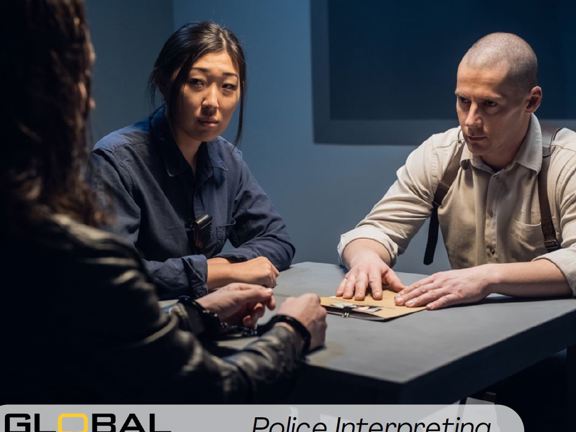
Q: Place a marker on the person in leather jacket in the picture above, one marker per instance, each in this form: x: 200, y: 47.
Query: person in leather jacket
x: 83, y: 322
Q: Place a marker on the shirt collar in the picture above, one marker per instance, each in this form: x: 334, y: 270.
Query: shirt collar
x: 529, y: 154
x: 210, y: 163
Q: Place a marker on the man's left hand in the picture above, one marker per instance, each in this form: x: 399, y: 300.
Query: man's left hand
x: 447, y: 289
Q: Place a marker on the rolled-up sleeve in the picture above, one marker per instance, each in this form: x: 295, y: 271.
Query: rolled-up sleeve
x: 179, y: 276
x: 395, y: 219
x: 562, y: 187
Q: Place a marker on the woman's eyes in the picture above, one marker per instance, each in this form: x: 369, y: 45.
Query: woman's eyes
x: 196, y: 83
x: 230, y: 86
x: 199, y: 84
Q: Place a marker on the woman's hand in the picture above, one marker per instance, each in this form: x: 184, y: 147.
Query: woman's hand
x: 258, y: 271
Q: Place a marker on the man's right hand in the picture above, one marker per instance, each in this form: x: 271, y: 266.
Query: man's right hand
x: 259, y: 271
x: 368, y: 273
x: 307, y: 309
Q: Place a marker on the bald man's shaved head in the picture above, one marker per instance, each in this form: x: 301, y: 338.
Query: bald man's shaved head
x: 497, y: 49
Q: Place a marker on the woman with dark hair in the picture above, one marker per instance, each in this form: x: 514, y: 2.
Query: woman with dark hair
x: 179, y: 189
x: 83, y: 323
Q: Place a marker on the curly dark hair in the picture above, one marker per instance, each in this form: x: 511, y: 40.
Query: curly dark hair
x: 45, y: 74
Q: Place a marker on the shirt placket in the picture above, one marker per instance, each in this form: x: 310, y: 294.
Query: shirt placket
x: 490, y: 228
x: 197, y: 199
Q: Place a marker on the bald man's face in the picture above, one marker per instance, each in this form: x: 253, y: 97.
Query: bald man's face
x: 493, y: 114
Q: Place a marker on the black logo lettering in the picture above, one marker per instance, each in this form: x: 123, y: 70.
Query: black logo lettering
x: 17, y: 426
x: 103, y: 423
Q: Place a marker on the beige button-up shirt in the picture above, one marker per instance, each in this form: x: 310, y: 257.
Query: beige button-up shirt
x: 487, y: 216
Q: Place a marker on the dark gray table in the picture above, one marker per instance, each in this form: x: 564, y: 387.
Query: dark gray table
x: 429, y: 356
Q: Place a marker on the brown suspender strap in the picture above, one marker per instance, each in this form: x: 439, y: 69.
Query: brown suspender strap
x: 441, y: 191
x: 550, y: 241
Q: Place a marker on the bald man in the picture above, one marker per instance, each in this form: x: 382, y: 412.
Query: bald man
x: 490, y: 216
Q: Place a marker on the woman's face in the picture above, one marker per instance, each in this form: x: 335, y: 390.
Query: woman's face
x: 208, y: 99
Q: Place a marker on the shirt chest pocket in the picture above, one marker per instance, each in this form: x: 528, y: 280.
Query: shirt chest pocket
x: 213, y: 239
x: 524, y: 242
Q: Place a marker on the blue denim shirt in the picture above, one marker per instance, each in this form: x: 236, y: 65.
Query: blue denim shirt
x: 156, y: 197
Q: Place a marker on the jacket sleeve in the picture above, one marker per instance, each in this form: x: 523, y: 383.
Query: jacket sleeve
x: 116, y: 192
x: 151, y: 357
x: 258, y: 230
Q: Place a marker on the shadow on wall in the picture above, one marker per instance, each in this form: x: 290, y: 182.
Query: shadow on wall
x: 127, y: 35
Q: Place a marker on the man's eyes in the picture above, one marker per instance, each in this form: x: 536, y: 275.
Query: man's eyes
x: 486, y: 103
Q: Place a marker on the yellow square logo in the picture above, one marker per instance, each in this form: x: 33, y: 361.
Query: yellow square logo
x: 64, y: 416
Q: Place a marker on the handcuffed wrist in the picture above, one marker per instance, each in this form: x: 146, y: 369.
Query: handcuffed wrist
x: 209, y: 323
x: 296, y: 325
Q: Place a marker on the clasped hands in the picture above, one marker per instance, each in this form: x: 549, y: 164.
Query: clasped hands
x: 244, y: 304
x: 239, y: 303
x: 369, y: 273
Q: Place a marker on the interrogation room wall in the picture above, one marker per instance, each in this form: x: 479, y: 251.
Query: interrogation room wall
x: 321, y: 189
x: 127, y: 35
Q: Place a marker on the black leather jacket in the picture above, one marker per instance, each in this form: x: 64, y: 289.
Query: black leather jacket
x: 83, y: 324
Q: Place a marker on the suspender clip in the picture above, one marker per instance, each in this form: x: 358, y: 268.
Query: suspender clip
x: 551, y: 245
